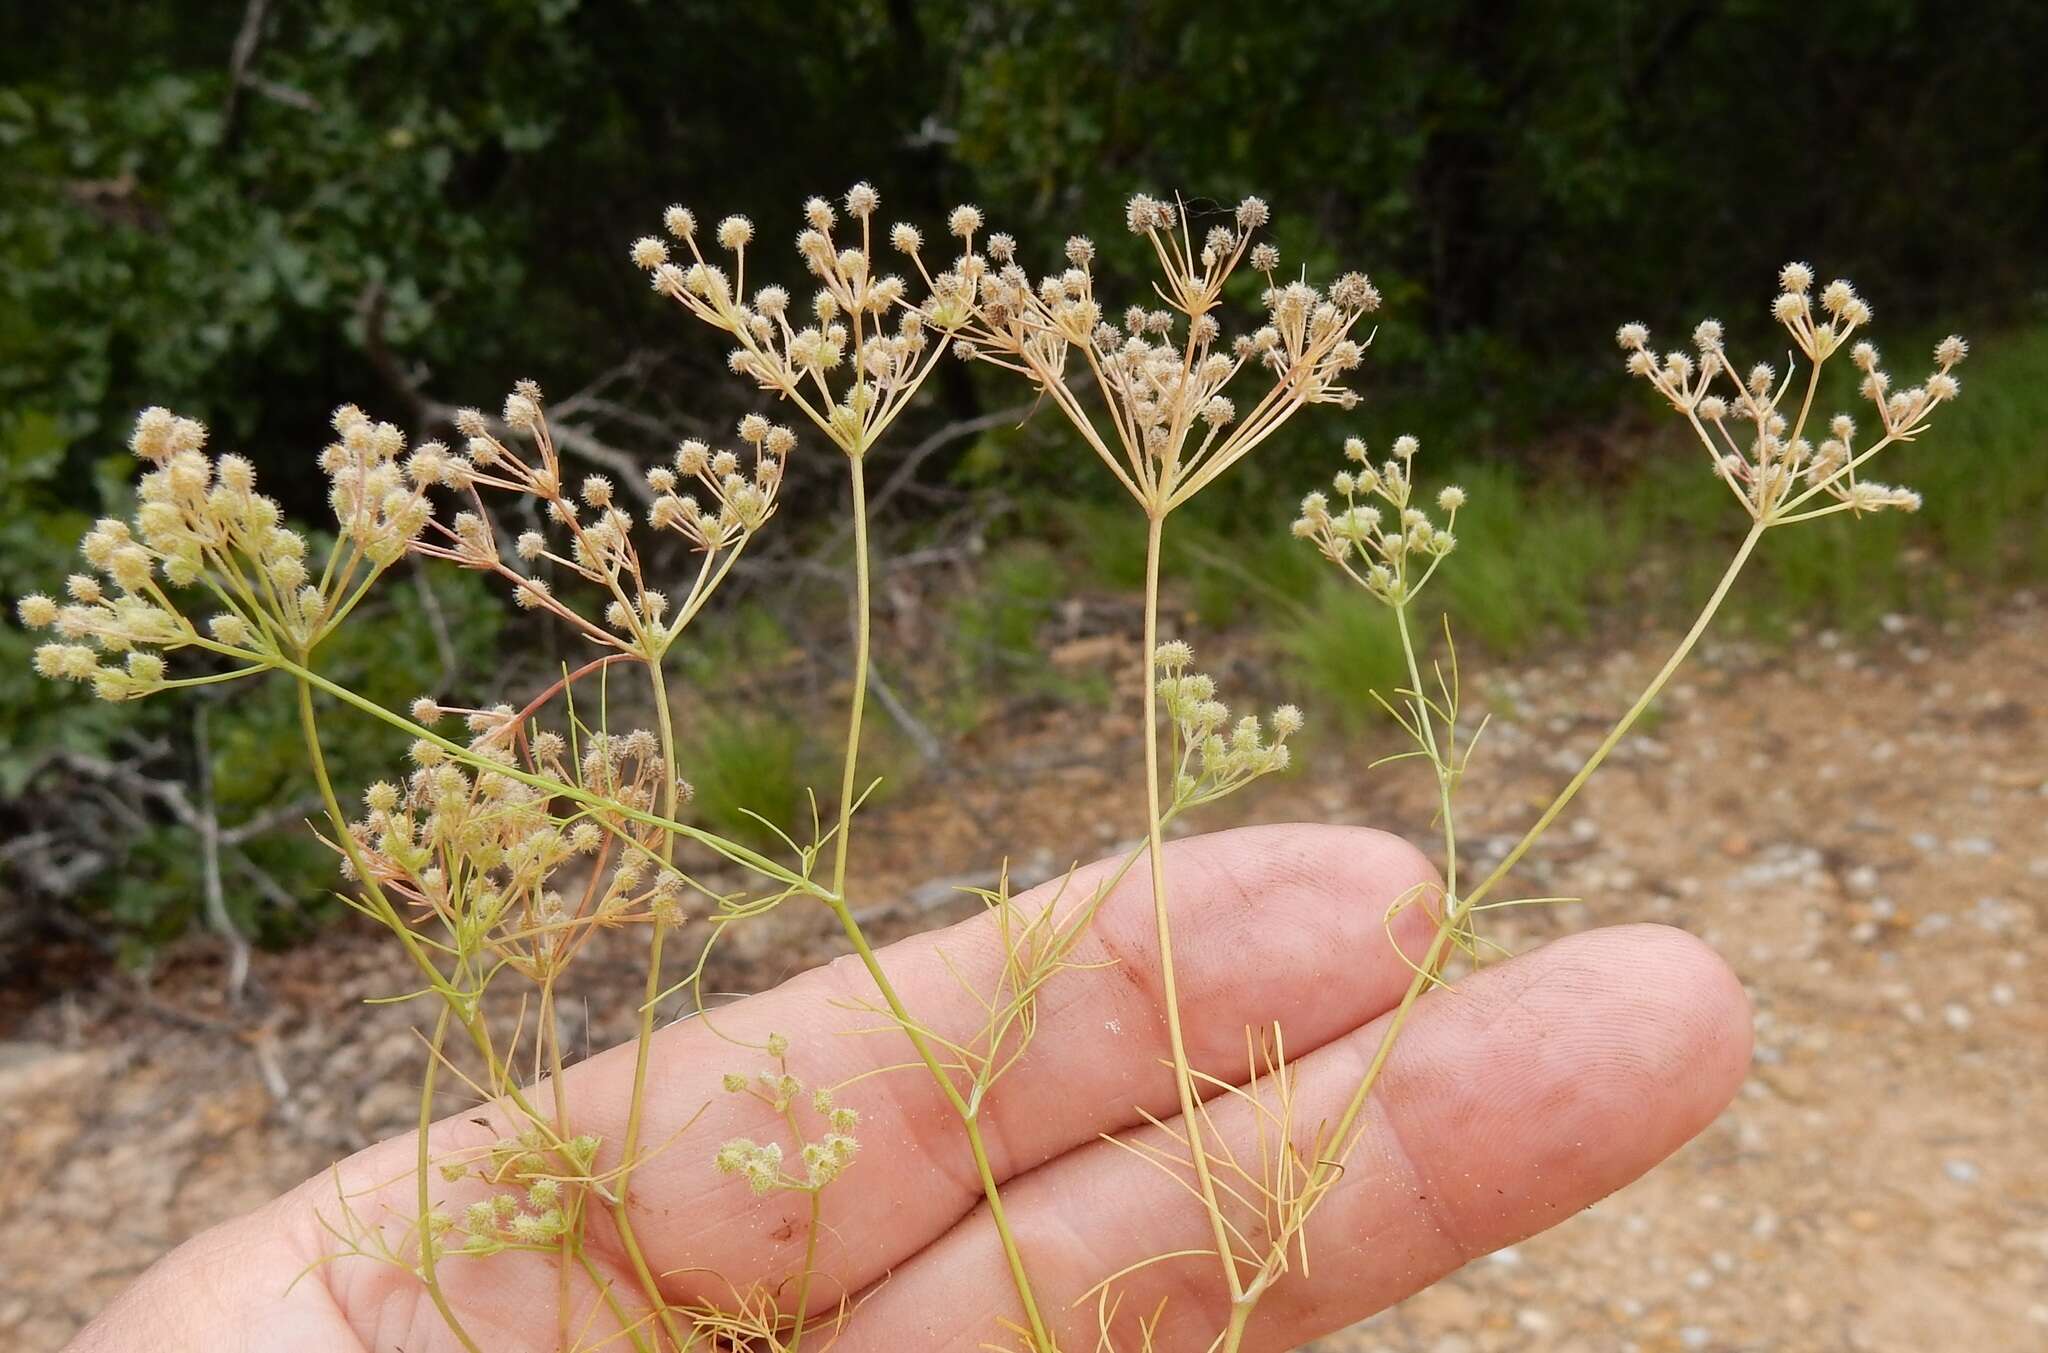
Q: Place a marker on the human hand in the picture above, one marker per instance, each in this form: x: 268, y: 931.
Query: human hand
x: 1514, y: 1099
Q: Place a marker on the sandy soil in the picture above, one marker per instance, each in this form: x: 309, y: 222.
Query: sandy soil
x: 1857, y: 828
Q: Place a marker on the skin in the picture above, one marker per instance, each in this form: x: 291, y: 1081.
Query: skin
x: 1526, y: 1092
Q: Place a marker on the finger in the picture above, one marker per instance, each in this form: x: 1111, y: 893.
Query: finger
x: 1256, y: 913
x: 1277, y: 923
x: 1523, y: 1094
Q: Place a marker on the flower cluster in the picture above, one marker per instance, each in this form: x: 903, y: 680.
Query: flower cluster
x: 480, y: 849
x: 1164, y: 372
x: 200, y: 523
x: 379, y: 500
x: 1213, y: 754
x: 763, y: 1164
x: 853, y: 358
x: 593, y: 534
x: 1767, y: 458
x: 1389, y: 547
x: 535, y: 1193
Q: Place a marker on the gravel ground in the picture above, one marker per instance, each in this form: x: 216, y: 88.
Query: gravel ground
x: 1856, y: 827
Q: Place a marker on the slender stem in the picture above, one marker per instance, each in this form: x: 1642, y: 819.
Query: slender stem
x: 863, y: 637
x: 549, y: 1034
x: 316, y: 760
x: 429, y: 1241
x: 1443, y: 770
x: 1155, y: 846
x: 1627, y: 721
x: 803, y: 1282
x: 1321, y: 1176
x: 1240, y: 1316
x: 969, y: 1118
x: 643, y: 1045
x: 863, y: 634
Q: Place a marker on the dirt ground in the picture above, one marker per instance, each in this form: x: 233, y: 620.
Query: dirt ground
x: 1856, y: 827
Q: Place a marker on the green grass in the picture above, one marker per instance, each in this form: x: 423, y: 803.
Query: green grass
x: 995, y: 632
x: 746, y: 764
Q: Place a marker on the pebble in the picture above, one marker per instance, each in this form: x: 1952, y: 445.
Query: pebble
x: 1959, y: 1170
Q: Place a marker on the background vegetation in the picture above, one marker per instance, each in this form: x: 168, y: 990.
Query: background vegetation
x: 251, y: 212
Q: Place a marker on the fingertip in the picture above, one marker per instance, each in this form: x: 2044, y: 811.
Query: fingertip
x: 1624, y: 1043
x: 1691, y: 1029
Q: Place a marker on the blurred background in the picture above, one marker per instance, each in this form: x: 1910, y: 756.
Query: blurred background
x: 251, y: 212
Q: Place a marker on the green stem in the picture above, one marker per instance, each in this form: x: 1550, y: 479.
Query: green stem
x: 1426, y: 970
x: 644, y: 1043
x: 1155, y: 846
x: 969, y: 1113
x: 803, y: 1282
x: 428, y: 1240
x: 863, y: 635
x: 459, y: 1002
x: 1320, y: 1177
x: 1240, y: 1316
x: 1627, y: 721
x: 1443, y: 770
x: 316, y: 760
x: 969, y: 1118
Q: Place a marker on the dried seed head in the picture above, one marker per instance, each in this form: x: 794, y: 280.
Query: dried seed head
x: 1143, y: 214
x: 1354, y: 291
x: 964, y: 220
x: 735, y: 232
